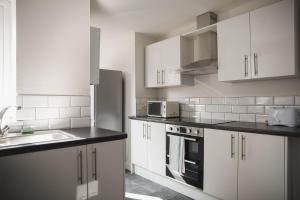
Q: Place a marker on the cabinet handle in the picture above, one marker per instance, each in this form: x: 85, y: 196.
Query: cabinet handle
x: 255, y: 64
x: 148, y: 132
x: 94, y: 174
x: 246, y: 65
x: 163, y: 76
x: 80, y: 176
x: 243, y: 148
x: 144, y: 134
x: 158, y: 77
x: 232, y: 154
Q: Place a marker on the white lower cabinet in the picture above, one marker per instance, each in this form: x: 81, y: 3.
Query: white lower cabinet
x: 94, y: 172
x: 148, y: 146
x: 244, y: 166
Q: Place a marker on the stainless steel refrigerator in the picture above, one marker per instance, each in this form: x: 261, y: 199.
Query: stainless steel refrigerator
x: 108, y: 100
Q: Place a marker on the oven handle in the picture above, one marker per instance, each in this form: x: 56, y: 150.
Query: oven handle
x: 185, y: 138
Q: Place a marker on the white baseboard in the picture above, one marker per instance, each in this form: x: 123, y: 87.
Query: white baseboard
x: 184, y: 189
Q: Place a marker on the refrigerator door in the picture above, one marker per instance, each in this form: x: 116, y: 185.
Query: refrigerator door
x: 109, y: 100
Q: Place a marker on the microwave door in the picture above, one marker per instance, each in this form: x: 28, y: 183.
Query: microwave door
x: 154, y: 109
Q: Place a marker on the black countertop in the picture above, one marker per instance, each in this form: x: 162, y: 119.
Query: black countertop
x: 86, y: 136
x: 250, y: 127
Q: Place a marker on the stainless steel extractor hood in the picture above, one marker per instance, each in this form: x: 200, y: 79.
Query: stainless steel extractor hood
x: 205, y: 48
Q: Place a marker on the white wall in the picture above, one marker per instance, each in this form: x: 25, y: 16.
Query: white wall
x: 53, y: 46
x: 209, y: 86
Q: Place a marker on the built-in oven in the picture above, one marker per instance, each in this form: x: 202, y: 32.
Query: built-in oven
x: 185, y: 145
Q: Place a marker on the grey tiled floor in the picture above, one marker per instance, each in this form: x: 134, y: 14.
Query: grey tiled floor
x: 141, y: 186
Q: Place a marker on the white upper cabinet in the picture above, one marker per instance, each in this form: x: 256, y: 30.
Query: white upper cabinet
x: 234, y: 49
x: 273, y: 40
x: 259, y: 44
x: 164, y: 60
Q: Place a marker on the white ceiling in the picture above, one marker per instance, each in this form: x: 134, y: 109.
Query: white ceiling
x: 154, y: 16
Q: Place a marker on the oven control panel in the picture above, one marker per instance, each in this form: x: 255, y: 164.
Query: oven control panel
x: 185, y: 130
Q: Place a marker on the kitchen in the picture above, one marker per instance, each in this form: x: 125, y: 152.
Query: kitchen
x: 150, y: 100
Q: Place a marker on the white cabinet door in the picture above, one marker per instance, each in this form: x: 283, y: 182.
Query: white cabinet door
x: 152, y: 65
x: 234, y: 49
x: 106, y: 170
x: 171, y: 61
x: 156, y: 134
x: 220, y: 163
x: 272, y: 40
x: 48, y: 175
x: 139, y: 143
x: 261, y: 172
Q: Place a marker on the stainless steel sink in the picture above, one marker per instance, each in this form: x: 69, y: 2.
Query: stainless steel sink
x: 36, y: 138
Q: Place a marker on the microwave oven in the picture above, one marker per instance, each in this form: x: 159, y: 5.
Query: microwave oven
x: 164, y: 109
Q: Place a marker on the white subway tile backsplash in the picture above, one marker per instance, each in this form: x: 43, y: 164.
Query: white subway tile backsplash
x: 225, y: 108
x: 80, y: 122
x: 54, y: 112
x: 59, y: 123
x: 80, y: 101
x: 247, y: 117
x: 212, y: 108
x: 59, y: 101
x: 85, y: 111
x: 205, y: 115
x: 37, y: 124
x: 218, y: 100
x: 256, y: 109
x: 250, y: 109
x: 247, y: 100
x: 189, y: 107
x: 35, y: 101
x: 232, y: 117
x: 220, y: 116
x: 195, y: 114
x: 194, y: 100
x: 205, y: 100
x: 199, y: 108
x: 26, y: 114
x: 69, y: 112
x: 47, y: 113
x: 239, y: 109
x: 232, y: 100
x: 284, y: 100
x: 264, y: 100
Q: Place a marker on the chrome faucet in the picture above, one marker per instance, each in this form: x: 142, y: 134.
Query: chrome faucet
x: 4, y: 130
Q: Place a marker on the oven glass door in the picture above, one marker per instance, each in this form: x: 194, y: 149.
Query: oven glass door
x: 194, y: 157
x: 154, y: 109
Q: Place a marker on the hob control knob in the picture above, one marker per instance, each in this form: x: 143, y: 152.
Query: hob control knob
x: 197, y: 132
x: 171, y: 128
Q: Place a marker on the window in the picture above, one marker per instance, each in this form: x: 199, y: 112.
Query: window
x: 7, y: 54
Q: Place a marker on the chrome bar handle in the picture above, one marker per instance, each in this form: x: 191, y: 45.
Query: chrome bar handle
x: 255, y: 64
x: 163, y: 76
x: 80, y: 176
x: 158, y: 77
x: 232, y: 153
x: 246, y: 65
x: 243, y: 148
x: 94, y: 174
x: 148, y: 132
x: 144, y: 135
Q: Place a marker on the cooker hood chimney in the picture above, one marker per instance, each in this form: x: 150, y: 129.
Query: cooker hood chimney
x: 205, y: 48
